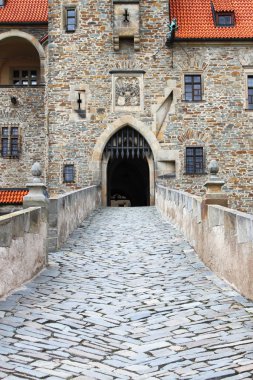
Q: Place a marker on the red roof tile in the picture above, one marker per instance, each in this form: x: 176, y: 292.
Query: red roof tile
x: 224, y: 5
x: 195, y: 19
x: 12, y: 196
x: 24, y: 11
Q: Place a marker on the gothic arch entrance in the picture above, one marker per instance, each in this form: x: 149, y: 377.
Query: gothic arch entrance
x: 128, y: 170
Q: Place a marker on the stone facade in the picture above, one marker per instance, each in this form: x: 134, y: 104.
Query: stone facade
x: 28, y: 114
x: 109, y: 74
x: 220, y: 123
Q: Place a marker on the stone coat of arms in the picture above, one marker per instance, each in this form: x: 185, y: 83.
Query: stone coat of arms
x: 127, y: 91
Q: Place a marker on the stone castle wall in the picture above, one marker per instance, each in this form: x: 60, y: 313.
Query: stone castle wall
x: 220, y: 123
x: 87, y: 60
x: 28, y: 114
x: 92, y: 64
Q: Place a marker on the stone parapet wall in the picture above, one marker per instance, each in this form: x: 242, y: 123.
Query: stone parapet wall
x: 67, y: 212
x: 23, y: 247
x: 223, y: 238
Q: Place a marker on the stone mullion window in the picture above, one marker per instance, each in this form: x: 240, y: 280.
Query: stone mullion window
x: 194, y: 160
x: 10, y: 142
x: 193, y: 88
x: 250, y: 92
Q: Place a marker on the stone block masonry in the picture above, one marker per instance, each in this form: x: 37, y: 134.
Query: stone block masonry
x: 29, y: 117
x: 23, y: 247
x: 223, y: 238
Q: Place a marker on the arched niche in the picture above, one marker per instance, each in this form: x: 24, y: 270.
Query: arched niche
x: 20, y: 50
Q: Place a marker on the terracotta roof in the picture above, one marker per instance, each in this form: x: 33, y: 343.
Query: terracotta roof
x: 195, y: 19
x: 24, y: 11
x: 11, y: 197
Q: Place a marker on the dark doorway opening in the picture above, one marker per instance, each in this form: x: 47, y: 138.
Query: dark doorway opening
x: 128, y: 177
x: 128, y: 182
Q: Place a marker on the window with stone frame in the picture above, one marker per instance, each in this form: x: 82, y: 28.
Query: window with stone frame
x: 192, y: 88
x: 250, y: 92
x: 70, y: 20
x: 194, y: 160
x: 68, y: 173
x: 10, y: 142
x: 25, y: 77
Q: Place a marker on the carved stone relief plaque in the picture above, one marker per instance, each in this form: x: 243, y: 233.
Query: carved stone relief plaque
x: 127, y: 91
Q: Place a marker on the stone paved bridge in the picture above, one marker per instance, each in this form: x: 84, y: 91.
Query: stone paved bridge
x: 126, y: 298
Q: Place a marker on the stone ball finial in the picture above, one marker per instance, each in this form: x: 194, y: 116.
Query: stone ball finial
x: 36, y: 171
x: 213, y: 167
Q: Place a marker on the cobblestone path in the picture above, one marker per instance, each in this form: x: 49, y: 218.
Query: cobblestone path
x: 126, y: 298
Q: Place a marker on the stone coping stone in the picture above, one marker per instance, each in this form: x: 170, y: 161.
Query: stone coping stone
x: 4, y: 218
x: 72, y: 192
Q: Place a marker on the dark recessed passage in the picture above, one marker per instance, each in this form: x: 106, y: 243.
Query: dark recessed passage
x: 128, y: 170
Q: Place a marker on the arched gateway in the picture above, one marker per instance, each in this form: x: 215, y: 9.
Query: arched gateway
x: 128, y: 168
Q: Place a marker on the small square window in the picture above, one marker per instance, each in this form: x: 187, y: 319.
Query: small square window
x: 68, y: 173
x: 2, y: 3
x: 225, y: 19
x: 194, y: 160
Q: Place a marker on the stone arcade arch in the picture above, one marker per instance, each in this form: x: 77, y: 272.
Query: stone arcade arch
x: 34, y: 42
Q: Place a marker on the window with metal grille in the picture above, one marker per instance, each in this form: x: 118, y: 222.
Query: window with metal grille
x: 194, y: 160
x: 250, y: 92
x: 70, y: 20
x: 68, y: 173
x: 127, y: 143
x: 10, y: 142
x: 24, y: 77
x: 193, y: 90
